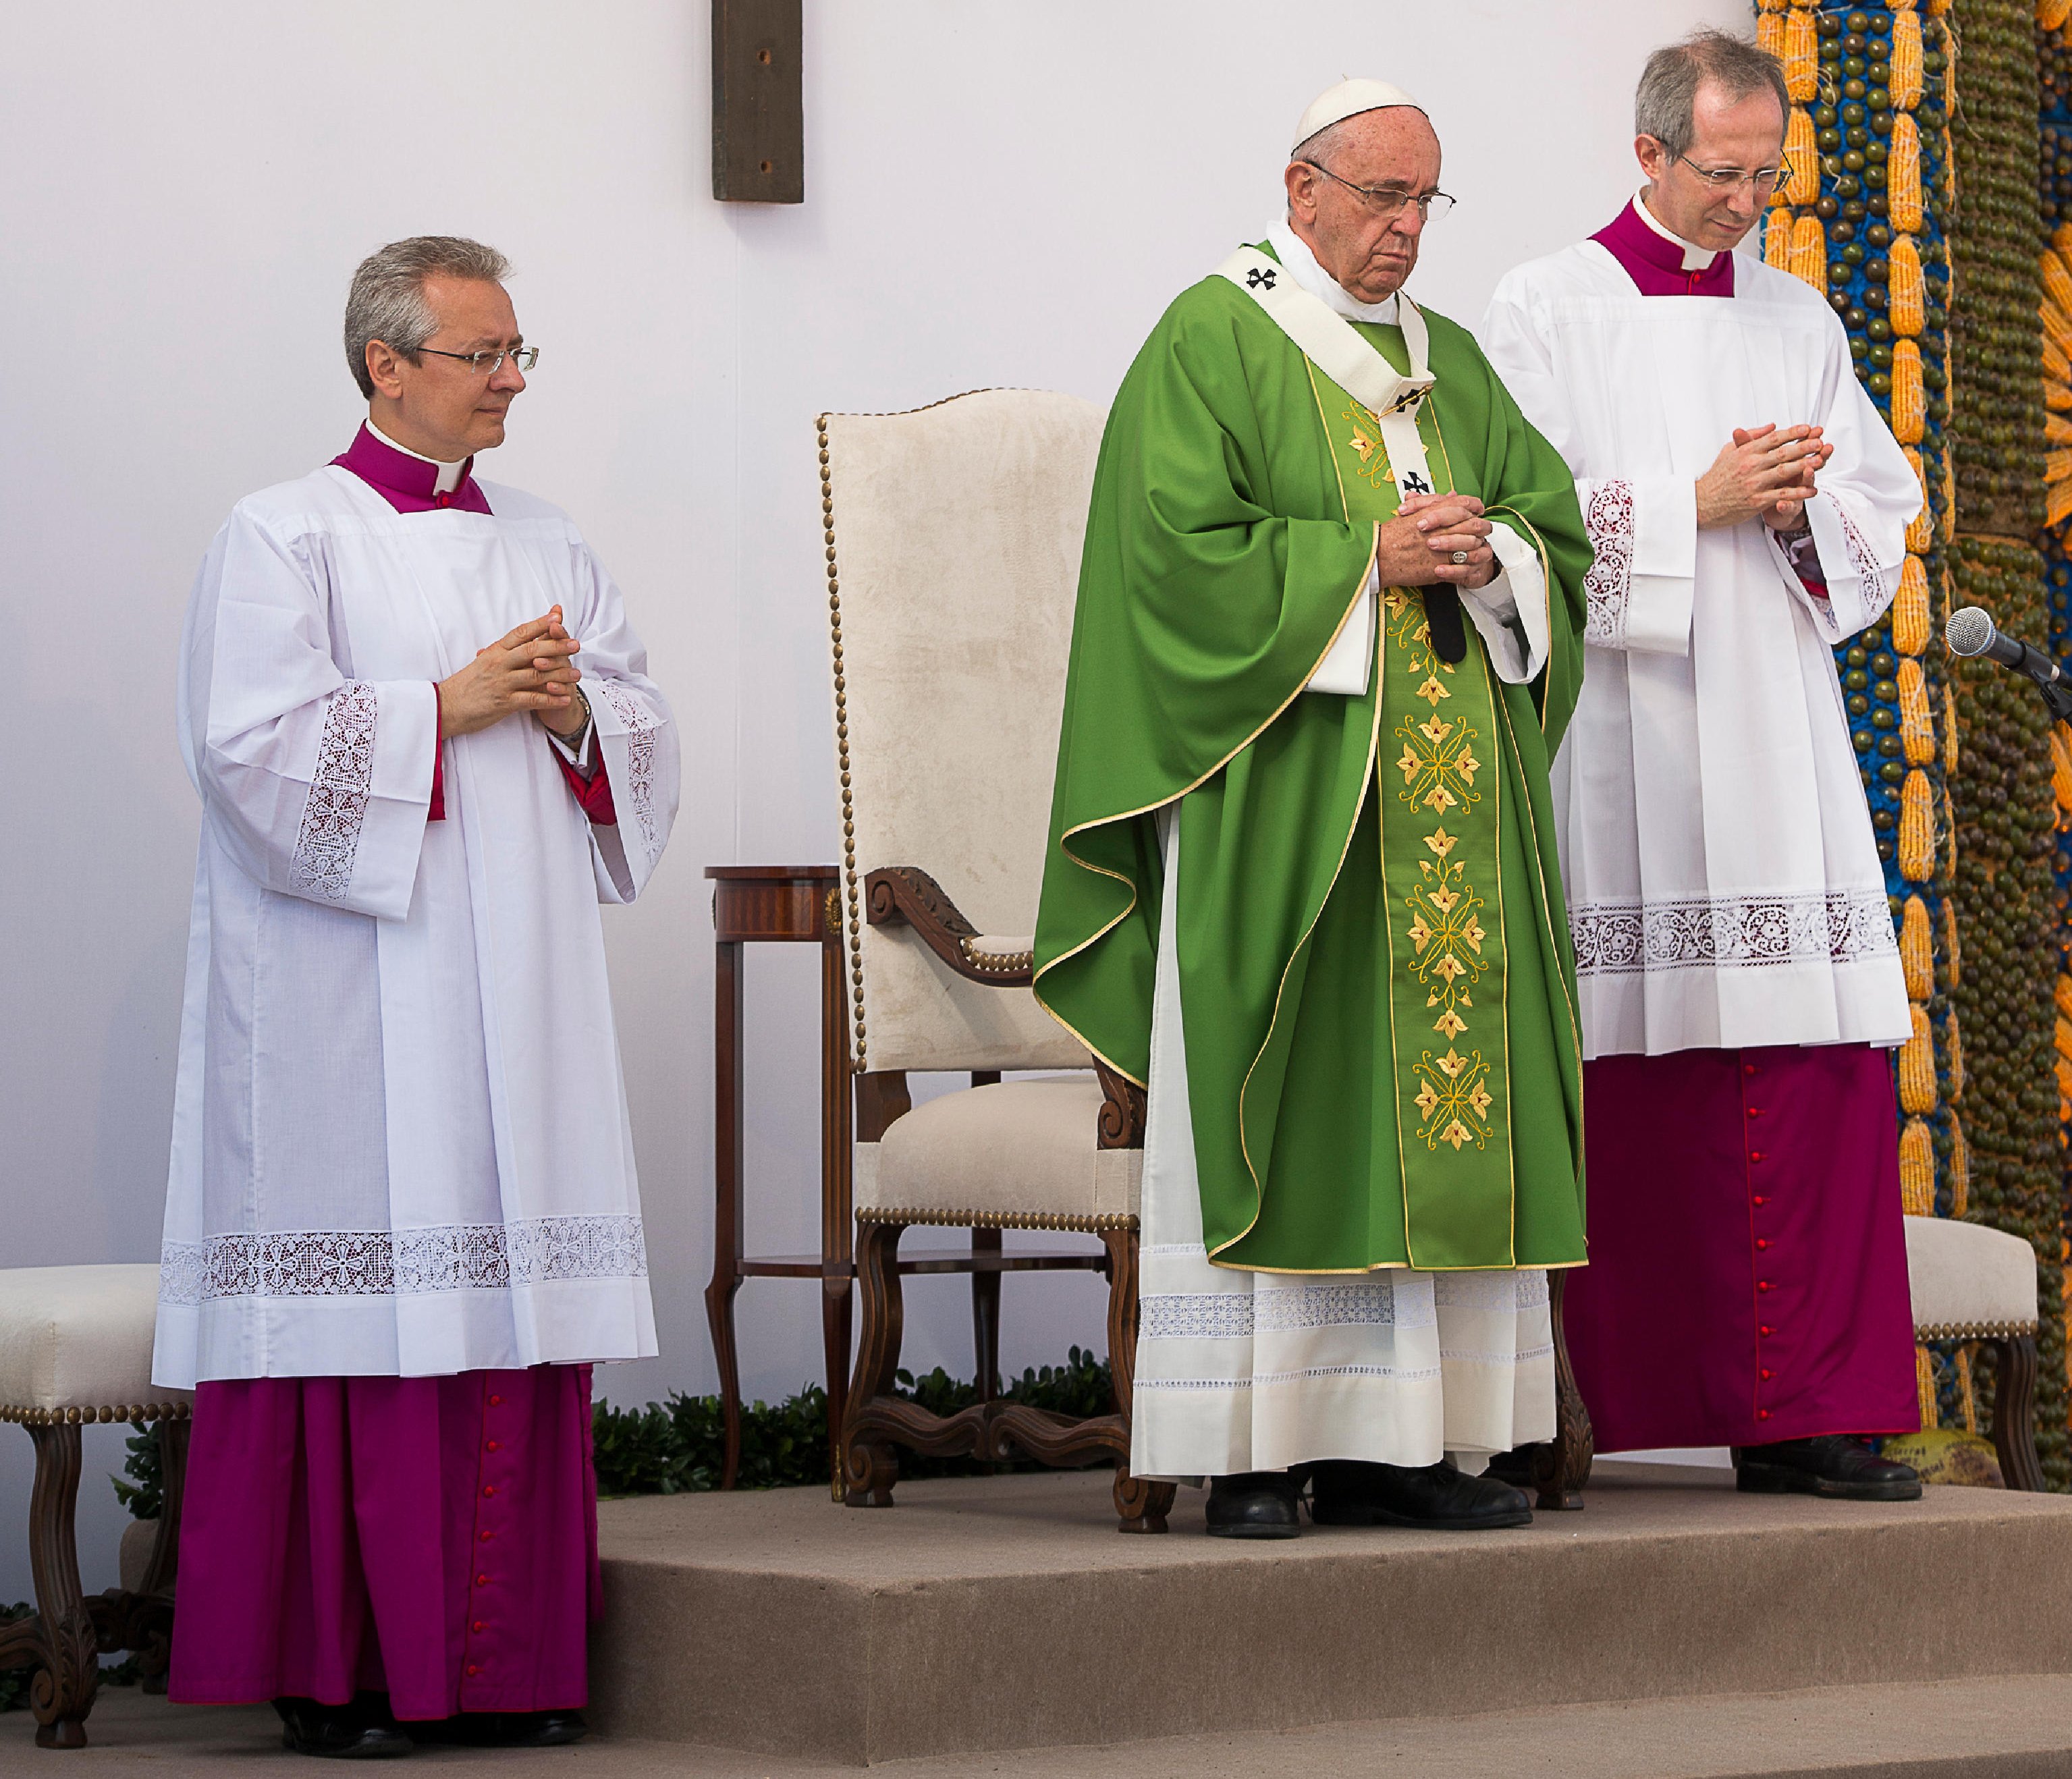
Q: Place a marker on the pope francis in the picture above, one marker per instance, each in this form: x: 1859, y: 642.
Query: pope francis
x: 1301, y: 882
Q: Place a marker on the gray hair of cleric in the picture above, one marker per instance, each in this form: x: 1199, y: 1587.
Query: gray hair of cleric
x: 1663, y: 105
x: 387, y: 302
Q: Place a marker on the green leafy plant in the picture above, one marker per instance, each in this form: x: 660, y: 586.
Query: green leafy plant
x: 678, y: 1447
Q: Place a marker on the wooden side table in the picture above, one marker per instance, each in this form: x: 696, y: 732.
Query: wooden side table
x: 797, y: 905
x: 801, y: 904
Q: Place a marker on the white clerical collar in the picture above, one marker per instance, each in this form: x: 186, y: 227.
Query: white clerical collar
x: 1294, y: 252
x: 450, y: 474
x: 1696, y: 259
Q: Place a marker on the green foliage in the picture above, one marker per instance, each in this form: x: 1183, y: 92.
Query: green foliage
x: 144, y: 1493
x: 15, y: 1682
x: 677, y: 1447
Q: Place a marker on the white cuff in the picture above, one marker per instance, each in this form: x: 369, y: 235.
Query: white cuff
x: 1346, y: 669
x: 1517, y: 596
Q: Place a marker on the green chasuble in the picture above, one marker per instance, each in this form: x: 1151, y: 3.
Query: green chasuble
x: 1383, y: 1057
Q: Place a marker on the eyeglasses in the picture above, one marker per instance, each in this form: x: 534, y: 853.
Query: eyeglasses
x: 1385, y: 203
x: 489, y: 363
x: 1766, y: 180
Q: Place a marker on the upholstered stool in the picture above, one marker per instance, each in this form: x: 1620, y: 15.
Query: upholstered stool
x: 75, y: 1347
x: 1971, y: 1283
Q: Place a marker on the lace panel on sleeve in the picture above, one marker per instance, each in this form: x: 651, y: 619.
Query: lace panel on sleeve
x: 1880, y: 584
x: 1608, y: 585
x: 640, y: 755
x: 329, y: 838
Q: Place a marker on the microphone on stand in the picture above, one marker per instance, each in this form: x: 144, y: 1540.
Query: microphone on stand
x: 1971, y: 632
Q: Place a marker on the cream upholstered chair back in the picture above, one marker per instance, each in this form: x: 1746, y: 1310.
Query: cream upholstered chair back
x: 953, y: 536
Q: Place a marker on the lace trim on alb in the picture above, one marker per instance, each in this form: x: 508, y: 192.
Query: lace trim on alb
x: 1261, y: 1380
x: 1840, y: 925
x: 640, y: 728
x: 329, y: 838
x: 1608, y: 585
x: 331, y: 1262
x: 1880, y: 584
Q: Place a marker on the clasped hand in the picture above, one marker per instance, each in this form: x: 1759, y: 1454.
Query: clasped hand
x: 532, y: 669
x: 1415, y: 548
x: 1764, y: 474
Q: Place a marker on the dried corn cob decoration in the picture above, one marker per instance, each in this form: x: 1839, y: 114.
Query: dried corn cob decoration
x: 1777, y: 239
x: 1917, y: 1066
x: 1917, y: 950
x: 1916, y: 829
x: 1920, y: 530
x: 1953, y: 954
x: 1960, y: 1167
x: 2058, y: 481
x: 1906, y: 62
x: 1917, y: 1170
x: 1809, y: 252
x: 1801, y: 57
x: 1908, y: 288
x: 2056, y: 279
x: 1911, y: 626
x: 1903, y: 174
x: 1917, y: 728
x: 1954, y: 1044
x: 1910, y: 399
x: 2051, y: 14
x: 2061, y: 776
x: 1769, y: 34
x: 1802, y: 149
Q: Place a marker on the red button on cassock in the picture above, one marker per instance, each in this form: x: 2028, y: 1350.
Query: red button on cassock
x: 489, y: 1488
x: 495, y: 1402
x: 1765, y: 1329
x: 494, y: 1447
x: 480, y: 1624
x: 482, y: 1581
x: 1762, y: 1241
x: 1762, y: 1285
x: 1763, y: 1414
x: 1755, y: 1155
x: 487, y: 1536
x: 1767, y: 1374
x: 1748, y: 1068
x: 1760, y: 1200
x: 472, y: 1669
x: 1755, y: 1111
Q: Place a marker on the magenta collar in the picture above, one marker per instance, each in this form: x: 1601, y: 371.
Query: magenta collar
x: 1656, y: 266
x: 406, y: 482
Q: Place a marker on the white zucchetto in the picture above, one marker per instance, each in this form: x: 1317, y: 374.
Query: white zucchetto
x: 1348, y: 98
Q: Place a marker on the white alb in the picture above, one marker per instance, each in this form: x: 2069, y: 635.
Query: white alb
x: 399, y: 1140
x: 1723, y: 879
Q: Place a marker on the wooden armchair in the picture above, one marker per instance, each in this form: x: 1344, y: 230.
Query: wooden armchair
x: 953, y: 536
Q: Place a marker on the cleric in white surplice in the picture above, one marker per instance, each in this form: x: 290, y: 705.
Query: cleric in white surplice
x: 1739, y: 982
x: 402, y: 1217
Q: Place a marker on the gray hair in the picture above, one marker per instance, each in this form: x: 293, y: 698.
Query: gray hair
x: 1663, y: 106
x: 387, y: 302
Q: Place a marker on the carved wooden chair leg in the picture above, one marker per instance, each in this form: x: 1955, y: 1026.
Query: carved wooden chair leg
x: 1561, y: 1467
x: 985, y: 1315
x: 1141, y: 1505
x: 66, y: 1648
x: 2014, y: 1411
x: 871, y: 1465
x: 151, y: 1633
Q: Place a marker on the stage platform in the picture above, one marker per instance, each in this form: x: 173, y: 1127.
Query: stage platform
x: 1007, y: 1613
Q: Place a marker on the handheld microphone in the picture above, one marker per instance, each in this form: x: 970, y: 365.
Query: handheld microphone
x: 1971, y: 632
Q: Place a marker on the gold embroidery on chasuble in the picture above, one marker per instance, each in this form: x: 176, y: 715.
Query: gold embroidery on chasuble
x: 1439, y: 778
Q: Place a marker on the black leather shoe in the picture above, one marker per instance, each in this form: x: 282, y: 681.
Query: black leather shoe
x: 1254, y: 1504
x: 504, y: 1730
x: 1833, y: 1465
x: 361, y: 1730
x: 1435, y: 1496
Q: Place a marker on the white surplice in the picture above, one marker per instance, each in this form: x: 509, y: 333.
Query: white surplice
x: 1723, y: 878
x: 400, y: 1144
x: 1239, y: 1371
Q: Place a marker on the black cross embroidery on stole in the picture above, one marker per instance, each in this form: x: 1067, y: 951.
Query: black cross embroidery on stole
x: 1256, y: 277
x: 1415, y: 483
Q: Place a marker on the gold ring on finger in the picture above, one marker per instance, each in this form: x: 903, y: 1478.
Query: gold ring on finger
x: 1459, y: 557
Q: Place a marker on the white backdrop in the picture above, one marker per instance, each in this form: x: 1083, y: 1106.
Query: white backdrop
x: 996, y: 194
